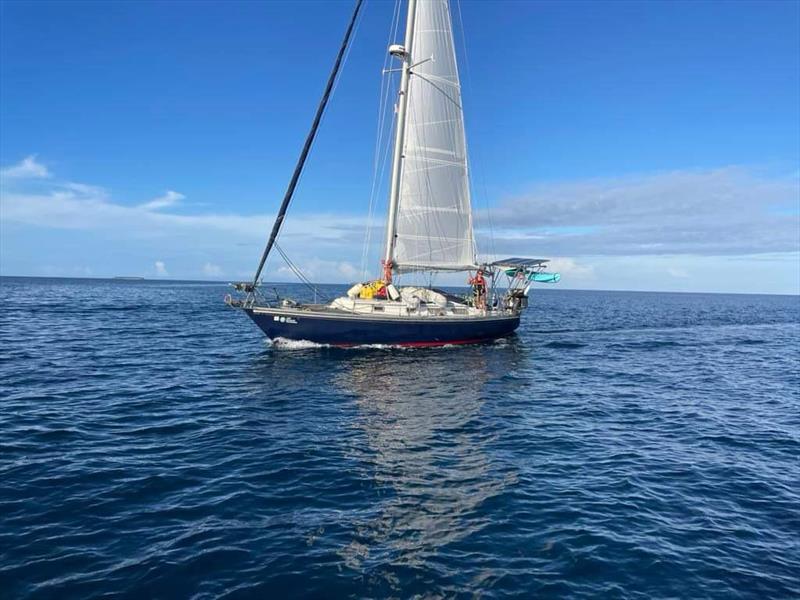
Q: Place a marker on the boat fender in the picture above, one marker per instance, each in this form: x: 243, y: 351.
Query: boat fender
x: 392, y: 292
x: 354, y: 291
x: 526, y: 290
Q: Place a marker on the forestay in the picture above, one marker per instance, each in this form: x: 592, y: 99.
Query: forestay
x: 434, y: 220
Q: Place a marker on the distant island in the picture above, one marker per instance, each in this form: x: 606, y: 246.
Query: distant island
x: 129, y: 278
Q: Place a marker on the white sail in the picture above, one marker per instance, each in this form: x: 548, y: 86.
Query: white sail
x: 434, y: 220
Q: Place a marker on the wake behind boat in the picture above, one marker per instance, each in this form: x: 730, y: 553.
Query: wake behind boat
x: 429, y: 222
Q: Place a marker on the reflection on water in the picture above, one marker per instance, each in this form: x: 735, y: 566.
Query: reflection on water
x: 426, y: 447
x: 622, y: 446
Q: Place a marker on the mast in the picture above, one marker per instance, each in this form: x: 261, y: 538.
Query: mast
x: 404, y: 53
x: 307, y: 146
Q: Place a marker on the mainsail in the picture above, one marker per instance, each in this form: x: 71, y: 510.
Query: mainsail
x: 429, y: 225
x: 433, y: 227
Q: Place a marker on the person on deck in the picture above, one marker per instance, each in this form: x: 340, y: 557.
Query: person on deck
x: 478, y: 284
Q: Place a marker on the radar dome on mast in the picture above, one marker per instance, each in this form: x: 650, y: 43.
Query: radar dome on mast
x: 397, y: 50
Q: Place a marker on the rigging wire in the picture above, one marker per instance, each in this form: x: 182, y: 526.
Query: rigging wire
x: 343, y: 50
x: 381, y: 152
x: 292, y: 266
x: 299, y: 274
x: 478, y: 163
x: 357, y: 26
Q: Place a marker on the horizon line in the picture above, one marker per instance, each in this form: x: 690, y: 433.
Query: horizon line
x: 136, y: 279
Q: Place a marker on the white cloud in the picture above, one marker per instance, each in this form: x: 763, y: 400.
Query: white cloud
x: 67, y: 205
x: 347, y: 270
x: 711, y: 213
x: 624, y: 234
x: 169, y: 198
x: 161, y: 269
x: 212, y: 270
x: 571, y: 268
x: 234, y: 238
x: 322, y: 270
x: 776, y: 273
x: 70, y: 189
x: 28, y: 168
x: 678, y: 272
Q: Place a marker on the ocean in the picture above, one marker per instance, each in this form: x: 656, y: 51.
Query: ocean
x: 153, y: 444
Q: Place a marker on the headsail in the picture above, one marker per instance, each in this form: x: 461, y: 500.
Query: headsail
x: 434, y: 222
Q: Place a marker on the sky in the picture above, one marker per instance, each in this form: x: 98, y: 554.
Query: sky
x: 639, y: 145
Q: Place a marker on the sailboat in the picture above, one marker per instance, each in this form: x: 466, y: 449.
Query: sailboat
x: 429, y: 225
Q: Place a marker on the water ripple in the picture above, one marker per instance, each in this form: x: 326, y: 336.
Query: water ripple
x: 153, y: 444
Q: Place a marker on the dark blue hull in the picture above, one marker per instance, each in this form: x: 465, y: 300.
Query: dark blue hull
x: 352, y: 330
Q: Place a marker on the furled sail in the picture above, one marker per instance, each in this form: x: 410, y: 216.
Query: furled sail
x: 434, y: 220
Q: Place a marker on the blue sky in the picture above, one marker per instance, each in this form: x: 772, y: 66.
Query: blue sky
x: 641, y: 145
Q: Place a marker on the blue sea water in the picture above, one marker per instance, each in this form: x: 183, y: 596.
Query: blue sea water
x: 622, y: 445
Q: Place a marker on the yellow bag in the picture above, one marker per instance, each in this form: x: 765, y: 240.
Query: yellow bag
x: 368, y: 290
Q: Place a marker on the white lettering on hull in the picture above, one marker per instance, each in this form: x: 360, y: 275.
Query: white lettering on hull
x: 289, y: 320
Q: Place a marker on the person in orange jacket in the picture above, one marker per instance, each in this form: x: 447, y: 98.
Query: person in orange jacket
x: 478, y: 284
